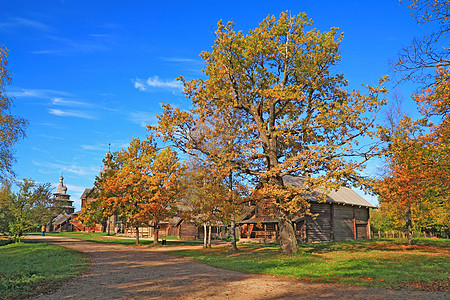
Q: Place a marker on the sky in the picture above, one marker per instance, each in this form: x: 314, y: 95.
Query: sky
x: 87, y: 74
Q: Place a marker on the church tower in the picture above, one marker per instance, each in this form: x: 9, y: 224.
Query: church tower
x: 61, y: 200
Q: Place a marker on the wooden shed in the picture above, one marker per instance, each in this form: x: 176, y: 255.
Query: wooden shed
x: 343, y: 215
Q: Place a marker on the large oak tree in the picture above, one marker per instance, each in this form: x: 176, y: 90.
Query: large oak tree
x: 293, y: 115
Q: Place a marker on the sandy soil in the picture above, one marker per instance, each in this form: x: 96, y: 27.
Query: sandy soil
x: 120, y: 272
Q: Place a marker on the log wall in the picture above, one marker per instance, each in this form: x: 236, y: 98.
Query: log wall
x: 335, y: 222
x: 318, y: 226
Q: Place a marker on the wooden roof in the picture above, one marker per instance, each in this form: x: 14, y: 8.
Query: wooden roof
x: 344, y: 195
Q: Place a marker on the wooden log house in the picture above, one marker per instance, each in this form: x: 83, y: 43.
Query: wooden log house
x: 343, y: 215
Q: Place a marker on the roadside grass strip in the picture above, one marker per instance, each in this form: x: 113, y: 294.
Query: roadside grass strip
x: 28, y: 268
x: 373, y: 263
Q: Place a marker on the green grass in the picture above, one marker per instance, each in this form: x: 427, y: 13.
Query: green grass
x: 373, y: 263
x: 28, y: 268
x: 127, y: 241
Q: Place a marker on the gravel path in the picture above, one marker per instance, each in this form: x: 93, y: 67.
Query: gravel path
x: 120, y: 272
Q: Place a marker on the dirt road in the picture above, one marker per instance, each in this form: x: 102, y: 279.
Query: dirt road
x: 120, y: 272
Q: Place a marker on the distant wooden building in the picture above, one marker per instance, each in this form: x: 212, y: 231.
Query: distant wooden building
x: 176, y: 227
x: 343, y: 215
x: 78, y: 226
x: 64, y: 207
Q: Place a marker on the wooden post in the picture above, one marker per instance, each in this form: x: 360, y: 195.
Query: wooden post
x: 331, y: 222
x: 306, y: 229
x: 368, y: 224
x: 354, y: 224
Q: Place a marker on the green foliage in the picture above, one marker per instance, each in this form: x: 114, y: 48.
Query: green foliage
x: 12, y: 128
x: 91, y: 214
x: 6, y: 215
x: 29, y: 207
x: 374, y: 263
x: 380, y: 221
x: 28, y: 269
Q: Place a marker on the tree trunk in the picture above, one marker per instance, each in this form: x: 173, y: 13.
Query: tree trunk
x: 205, y: 233
x: 409, y: 225
x: 233, y: 215
x: 233, y: 236
x: 109, y: 225
x: 137, y: 235
x: 209, y: 236
x: 155, y: 233
x: 288, y: 240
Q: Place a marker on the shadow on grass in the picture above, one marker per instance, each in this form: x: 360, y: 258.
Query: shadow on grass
x: 125, y: 241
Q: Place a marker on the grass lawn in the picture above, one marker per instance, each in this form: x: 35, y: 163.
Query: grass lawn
x: 374, y: 263
x: 28, y: 268
x: 127, y: 241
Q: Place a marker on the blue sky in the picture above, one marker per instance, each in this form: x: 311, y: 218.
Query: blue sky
x: 89, y: 73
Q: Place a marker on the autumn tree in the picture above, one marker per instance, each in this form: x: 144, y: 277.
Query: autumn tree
x: 29, y: 207
x: 12, y: 128
x: 434, y: 104
x: 415, y: 192
x: 91, y: 214
x: 203, y: 201
x: 144, y: 186
x: 401, y: 190
x: 292, y: 114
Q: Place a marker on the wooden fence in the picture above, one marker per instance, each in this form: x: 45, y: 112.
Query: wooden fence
x: 399, y: 234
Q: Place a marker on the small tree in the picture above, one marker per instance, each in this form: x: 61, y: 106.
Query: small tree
x: 30, y: 207
x: 143, y: 186
x: 91, y: 214
x: 205, y: 194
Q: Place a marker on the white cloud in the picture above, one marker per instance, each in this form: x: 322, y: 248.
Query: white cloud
x: 64, y: 102
x: 182, y: 60
x: 65, y: 46
x: 37, y: 93
x: 94, y: 148
x: 139, y: 85
x: 48, y: 51
x: 156, y: 82
x: 71, y: 113
x: 51, y: 137
x: 23, y: 22
x: 142, y: 118
x: 75, y: 188
x: 67, y: 168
